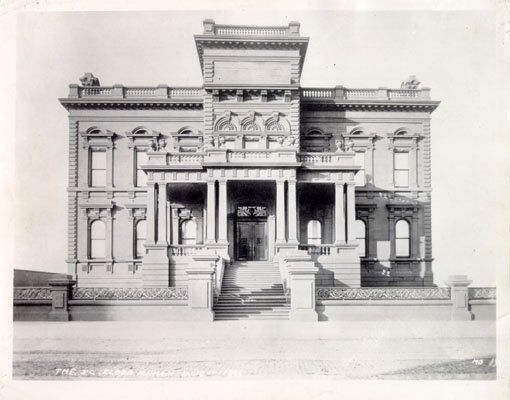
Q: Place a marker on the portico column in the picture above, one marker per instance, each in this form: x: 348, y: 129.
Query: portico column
x: 292, y: 212
x: 351, y: 213
x: 280, y: 212
x: 175, y: 225
x: 151, y: 213
x: 222, y: 212
x: 339, y: 214
x: 211, y: 213
x: 162, y: 217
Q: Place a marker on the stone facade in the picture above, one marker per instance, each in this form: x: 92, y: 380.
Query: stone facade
x: 249, y: 166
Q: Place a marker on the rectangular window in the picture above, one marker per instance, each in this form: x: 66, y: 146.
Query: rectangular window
x: 141, y: 176
x: 98, y: 168
x: 401, y: 169
x: 359, y: 159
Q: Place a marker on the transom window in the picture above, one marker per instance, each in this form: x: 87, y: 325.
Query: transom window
x: 402, y: 238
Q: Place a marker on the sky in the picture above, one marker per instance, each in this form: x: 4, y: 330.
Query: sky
x: 457, y: 54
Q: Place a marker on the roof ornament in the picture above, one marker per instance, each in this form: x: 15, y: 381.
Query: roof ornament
x: 410, y: 83
x: 88, y: 79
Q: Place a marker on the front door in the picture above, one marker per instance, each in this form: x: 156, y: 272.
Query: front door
x: 251, y: 240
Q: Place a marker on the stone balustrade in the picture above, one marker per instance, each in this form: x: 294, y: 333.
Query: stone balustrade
x: 211, y: 28
x: 319, y: 250
x: 125, y: 92
x: 341, y: 93
x: 185, y: 158
x: 251, y: 155
x: 183, y: 250
x: 307, y: 159
x: 338, y: 93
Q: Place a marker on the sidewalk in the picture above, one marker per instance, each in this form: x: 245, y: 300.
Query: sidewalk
x: 254, y: 349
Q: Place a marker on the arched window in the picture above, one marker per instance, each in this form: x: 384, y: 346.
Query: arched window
x: 140, y: 236
x: 314, y: 232
x: 361, y: 237
x: 402, y: 238
x: 97, y: 239
x: 189, y: 232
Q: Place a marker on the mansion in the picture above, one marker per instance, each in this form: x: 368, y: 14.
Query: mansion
x: 250, y: 166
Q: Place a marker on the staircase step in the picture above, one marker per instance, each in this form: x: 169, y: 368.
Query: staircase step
x: 251, y: 290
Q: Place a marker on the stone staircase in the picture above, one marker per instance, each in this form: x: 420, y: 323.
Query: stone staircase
x: 251, y: 290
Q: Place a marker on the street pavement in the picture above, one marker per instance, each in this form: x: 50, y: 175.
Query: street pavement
x: 254, y: 350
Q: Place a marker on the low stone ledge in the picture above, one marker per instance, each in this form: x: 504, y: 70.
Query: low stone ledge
x: 32, y: 293
x: 170, y: 293
x: 141, y: 302
x: 386, y: 293
x: 482, y: 293
x: 391, y: 303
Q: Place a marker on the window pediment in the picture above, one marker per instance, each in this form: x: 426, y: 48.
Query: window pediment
x: 403, y: 139
x: 97, y: 137
x: 142, y: 135
x: 93, y: 210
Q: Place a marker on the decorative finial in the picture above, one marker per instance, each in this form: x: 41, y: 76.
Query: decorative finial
x: 88, y: 79
x: 410, y: 83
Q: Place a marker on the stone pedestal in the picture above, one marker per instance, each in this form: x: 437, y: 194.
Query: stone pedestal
x: 156, y: 266
x: 301, y: 272
x: 345, y: 264
x: 60, y: 294
x: 216, y: 155
x: 459, y: 295
x: 200, y: 286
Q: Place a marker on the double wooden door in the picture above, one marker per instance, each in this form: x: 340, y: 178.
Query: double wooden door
x: 252, y: 240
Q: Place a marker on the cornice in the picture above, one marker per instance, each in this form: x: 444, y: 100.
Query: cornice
x: 244, y: 42
x: 107, y: 104
x: 311, y: 105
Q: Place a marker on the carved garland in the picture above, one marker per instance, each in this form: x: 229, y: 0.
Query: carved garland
x: 170, y: 293
x: 32, y: 293
x: 337, y: 293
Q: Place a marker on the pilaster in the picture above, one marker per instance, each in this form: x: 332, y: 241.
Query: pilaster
x: 211, y: 213
x: 292, y: 212
x: 340, y: 237
x: 280, y: 212
x: 222, y: 212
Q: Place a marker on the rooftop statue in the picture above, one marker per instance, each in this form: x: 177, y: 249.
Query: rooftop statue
x: 410, y: 83
x: 88, y: 79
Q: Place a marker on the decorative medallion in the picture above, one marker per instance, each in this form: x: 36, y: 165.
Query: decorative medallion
x: 252, y: 211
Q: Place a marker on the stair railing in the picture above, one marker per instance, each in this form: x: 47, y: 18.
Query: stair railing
x: 284, y: 275
x: 218, y: 277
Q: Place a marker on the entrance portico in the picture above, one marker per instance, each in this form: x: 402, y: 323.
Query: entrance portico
x: 250, y: 214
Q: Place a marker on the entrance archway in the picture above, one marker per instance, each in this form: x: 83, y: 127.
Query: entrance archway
x: 251, y: 233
